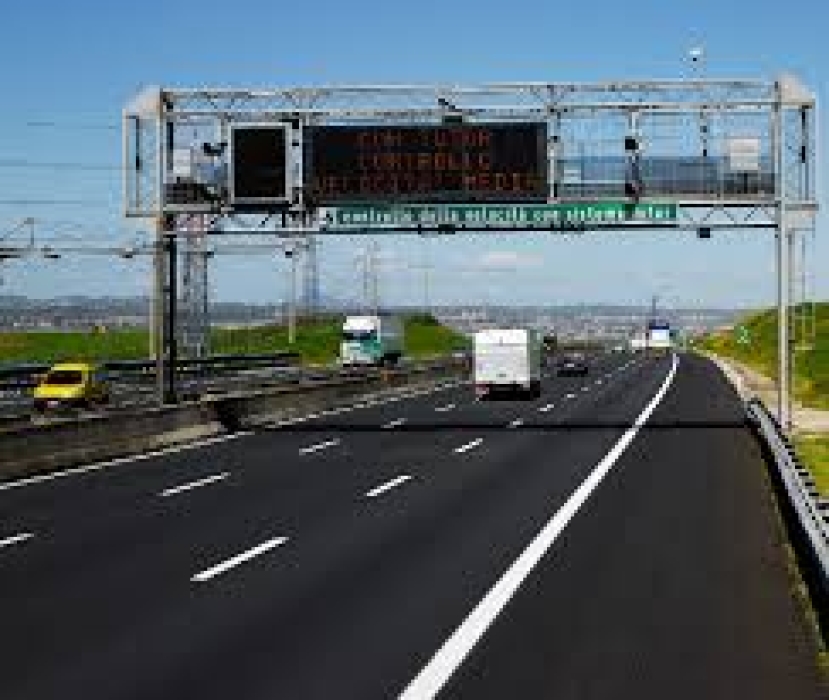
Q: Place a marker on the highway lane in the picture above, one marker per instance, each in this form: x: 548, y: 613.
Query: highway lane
x: 94, y: 520
x: 359, y: 593
x: 672, y: 585
x: 115, y: 487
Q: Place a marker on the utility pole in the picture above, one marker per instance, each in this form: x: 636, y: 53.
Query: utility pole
x: 375, y: 263
x: 427, y: 303
x: 371, y: 294
x: 804, y: 313
x: 290, y: 253
x: 311, y: 292
x: 365, y: 257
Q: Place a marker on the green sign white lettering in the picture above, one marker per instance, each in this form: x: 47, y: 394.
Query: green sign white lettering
x: 470, y: 215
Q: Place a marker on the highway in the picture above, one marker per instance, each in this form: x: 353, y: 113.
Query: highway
x: 615, y: 538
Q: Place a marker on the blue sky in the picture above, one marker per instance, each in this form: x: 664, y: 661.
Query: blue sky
x: 74, y: 65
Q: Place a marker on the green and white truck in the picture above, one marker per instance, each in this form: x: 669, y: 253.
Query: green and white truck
x: 371, y: 340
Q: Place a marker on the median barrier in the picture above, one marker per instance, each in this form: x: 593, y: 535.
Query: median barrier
x: 41, y: 448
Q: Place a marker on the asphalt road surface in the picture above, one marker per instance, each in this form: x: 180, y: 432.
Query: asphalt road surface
x: 615, y: 538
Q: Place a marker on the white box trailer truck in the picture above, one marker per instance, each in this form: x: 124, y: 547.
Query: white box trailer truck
x: 371, y: 340
x: 659, y: 338
x: 507, y: 360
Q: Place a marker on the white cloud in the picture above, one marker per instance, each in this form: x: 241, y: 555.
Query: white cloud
x: 508, y: 260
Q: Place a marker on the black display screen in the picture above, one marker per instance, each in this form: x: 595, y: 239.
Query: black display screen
x: 259, y: 169
x: 501, y: 162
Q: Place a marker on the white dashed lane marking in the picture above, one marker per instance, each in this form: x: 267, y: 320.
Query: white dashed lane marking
x: 388, y: 486
x: 16, y: 539
x: 233, y: 562
x: 194, y: 484
x: 468, y: 446
x: 318, y: 447
x: 395, y: 423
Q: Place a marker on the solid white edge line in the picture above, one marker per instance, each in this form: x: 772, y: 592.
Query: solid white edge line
x: 97, y: 466
x: 394, y: 424
x: 319, y: 446
x: 469, y: 446
x: 403, y: 478
x: 517, y: 423
x: 16, y: 539
x: 443, y: 409
x: 430, y: 680
x: 172, y: 491
x: 233, y: 562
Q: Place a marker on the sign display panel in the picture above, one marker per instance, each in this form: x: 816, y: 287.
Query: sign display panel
x: 542, y: 216
x: 258, y: 164
x: 496, y: 162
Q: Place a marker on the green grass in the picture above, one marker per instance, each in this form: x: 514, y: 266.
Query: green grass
x: 51, y: 346
x: 317, y: 342
x: 811, y: 362
x: 813, y: 449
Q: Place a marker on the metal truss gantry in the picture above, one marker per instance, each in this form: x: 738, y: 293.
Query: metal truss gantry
x: 690, y: 138
x: 195, y: 290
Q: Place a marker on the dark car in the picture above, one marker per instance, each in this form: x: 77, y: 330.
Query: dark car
x: 571, y: 364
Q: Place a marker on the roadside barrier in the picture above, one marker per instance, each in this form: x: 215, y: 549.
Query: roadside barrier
x: 61, y: 444
x: 805, y: 512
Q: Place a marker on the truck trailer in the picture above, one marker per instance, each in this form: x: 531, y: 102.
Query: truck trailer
x: 507, y: 361
x: 371, y: 340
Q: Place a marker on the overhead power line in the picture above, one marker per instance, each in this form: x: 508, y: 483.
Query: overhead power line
x: 55, y: 202
x: 84, y: 126
x: 66, y: 165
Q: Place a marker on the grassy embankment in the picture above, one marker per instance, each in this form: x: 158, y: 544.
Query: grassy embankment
x: 811, y: 371
x: 316, y: 341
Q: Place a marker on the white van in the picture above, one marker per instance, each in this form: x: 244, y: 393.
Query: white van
x: 507, y: 360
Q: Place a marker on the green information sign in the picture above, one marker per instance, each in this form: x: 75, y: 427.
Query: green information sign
x: 470, y: 215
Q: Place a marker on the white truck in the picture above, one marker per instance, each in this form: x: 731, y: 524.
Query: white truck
x: 507, y: 360
x: 659, y: 339
x: 371, y: 340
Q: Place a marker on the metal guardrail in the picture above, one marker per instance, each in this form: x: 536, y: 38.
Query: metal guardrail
x: 212, y: 385
x: 25, y: 376
x: 809, y: 513
x: 62, y: 443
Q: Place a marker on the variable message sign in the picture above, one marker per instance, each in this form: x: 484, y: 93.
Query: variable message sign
x: 258, y: 172
x: 498, y: 162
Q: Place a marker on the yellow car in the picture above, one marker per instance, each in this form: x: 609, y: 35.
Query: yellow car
x: 71, y: 385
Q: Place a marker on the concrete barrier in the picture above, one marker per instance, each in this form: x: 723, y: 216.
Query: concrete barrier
x: 41, y: 448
